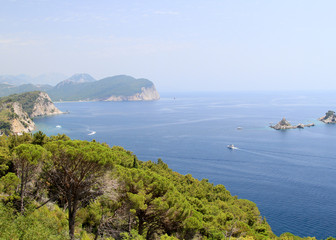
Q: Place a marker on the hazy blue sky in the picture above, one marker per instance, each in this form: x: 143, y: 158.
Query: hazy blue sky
x: 179, y: 45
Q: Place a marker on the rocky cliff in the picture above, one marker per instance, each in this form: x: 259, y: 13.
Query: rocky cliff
x: 44, y: 106
x: 146, y: 94
x: 17, y: 111
x: 21, y: 122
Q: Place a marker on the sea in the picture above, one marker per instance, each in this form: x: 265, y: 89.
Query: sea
x: 289, y: 174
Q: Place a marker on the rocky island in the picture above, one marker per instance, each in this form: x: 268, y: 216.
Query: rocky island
x: 329, y: 117
x: 18, y: 110
x: 284, y: 124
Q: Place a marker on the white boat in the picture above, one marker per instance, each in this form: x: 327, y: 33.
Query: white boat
x: 92, y: 133
x: 59, y: 126
x: 231, y: 146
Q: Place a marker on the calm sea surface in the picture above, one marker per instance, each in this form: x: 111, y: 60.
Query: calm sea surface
x: 290, y: 175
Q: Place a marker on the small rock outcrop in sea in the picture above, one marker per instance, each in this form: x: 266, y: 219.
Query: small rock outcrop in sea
x: 284, y: 124
x: 329, y: 117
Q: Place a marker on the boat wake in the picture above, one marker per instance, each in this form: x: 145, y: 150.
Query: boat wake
x: 92, y: 133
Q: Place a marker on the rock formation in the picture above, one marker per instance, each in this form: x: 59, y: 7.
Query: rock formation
x: 147, y: 94
x: 329, y: 117
x: 44, y: 106
x: 284, y: 124
x: 21, y: 122
x: 18, y: 110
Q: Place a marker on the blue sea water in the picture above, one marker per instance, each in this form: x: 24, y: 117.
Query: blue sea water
x: 290, y: 175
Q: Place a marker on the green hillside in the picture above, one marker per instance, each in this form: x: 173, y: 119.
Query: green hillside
x: 87, y: 190
x: 121, y: 85
x: 27, y: 100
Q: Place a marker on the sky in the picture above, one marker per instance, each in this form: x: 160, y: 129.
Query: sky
x: 180, y: 45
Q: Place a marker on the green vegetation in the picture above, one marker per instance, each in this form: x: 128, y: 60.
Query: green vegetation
x: 57, y: 188
x: 121, y: 85
x: 329, y: 114
x: 27, y: 100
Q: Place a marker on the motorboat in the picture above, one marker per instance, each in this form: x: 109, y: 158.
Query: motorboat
x: 231, y: 146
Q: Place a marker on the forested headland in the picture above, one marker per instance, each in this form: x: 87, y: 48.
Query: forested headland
x: 58, y: 188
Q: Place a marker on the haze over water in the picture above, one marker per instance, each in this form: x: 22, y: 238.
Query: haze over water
x: 290, y: 175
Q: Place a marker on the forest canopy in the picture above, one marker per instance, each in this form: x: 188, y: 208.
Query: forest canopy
x: 58, y: 188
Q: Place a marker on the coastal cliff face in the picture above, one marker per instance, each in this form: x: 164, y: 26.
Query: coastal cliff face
x: 17, y: 111
x: 44, y: 106
x: 147, y: 94
x: 21, y: 122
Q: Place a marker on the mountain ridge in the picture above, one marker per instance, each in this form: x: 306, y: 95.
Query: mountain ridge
x: 83, y: 87
x: 76, y: 79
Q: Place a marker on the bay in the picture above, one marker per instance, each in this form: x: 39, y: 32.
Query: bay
x: 290, y: 174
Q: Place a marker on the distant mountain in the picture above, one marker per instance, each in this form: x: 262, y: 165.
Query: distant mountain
x: 83, y: 87
x: 16, y: 80
x: 7, y: 89
x: 76, y: 79
x: 117, y: 88
x: 49, y: 78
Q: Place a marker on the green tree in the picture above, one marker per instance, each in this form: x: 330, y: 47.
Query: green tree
x: 4, y: 160
x: 26, y: 159
x: 135, y: 162
x: 39, y: 138
x: 74, y: 172
x: 9, y: 183
x: 15, y: 140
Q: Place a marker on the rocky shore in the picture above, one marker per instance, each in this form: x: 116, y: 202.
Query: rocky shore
x: 329, y: 117
x: 284, y: 124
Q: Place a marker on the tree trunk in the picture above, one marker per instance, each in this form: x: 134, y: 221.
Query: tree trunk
x: 72, y: 217
x: 141, y: 223
x: 130, y: 223
x: 72, y: 206
x: 21, y: 200
x: 22, y: 191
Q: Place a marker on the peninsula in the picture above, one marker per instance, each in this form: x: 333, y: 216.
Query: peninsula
x: 83, y: 87
x: 18, y: 110
x: 329, y: 117
x: 284, y: 124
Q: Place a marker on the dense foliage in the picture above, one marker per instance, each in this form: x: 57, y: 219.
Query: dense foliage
x: 57, y: 188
